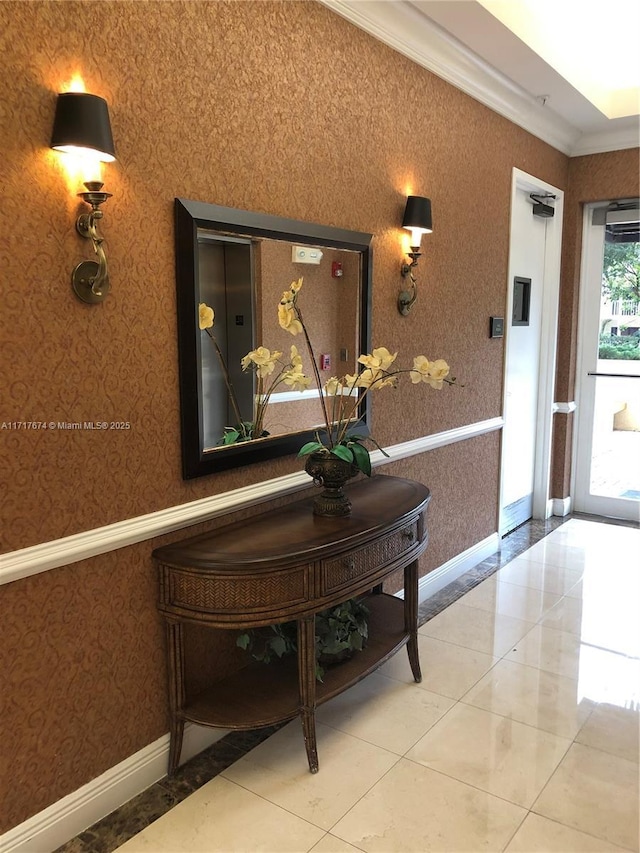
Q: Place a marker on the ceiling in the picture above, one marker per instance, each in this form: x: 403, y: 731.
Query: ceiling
x: 464, y: 43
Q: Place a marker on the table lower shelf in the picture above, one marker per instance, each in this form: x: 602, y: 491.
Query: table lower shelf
x: 262, y: 694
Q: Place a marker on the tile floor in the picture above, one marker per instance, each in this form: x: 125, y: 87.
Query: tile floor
x: 522, y: 736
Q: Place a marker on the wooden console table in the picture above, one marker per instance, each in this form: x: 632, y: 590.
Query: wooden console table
x: 283, y: 565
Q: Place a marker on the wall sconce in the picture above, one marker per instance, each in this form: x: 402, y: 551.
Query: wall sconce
x: 417, y: 219
x: 81, y: 126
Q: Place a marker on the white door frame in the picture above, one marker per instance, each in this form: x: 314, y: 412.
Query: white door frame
x: 585, y: 389
x: 590, y: 253
x: 542, y: 504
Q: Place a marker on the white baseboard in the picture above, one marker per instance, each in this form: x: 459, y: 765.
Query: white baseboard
x: 55, y: 825
x: 561, y: 506
x: 47, y: 830
x: 452, y: 569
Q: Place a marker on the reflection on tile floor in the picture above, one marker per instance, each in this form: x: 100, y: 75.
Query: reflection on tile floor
x: 522, y: 736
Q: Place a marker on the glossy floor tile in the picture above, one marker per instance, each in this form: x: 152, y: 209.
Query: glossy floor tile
x: 480, y: 630
x: 595, y: 792
x: 541, y: 835
x: 371, y: 709
x: 222, y: 817
x: 509, y: 599
x: 537, y: 574
x: 550, y: 650
x: 613, y: 729
x: 494, y: 753
x: 277, y: 770
x: 416, y: 809
x: 330, y: 844
x: 532, y: 696
x: 522, y: 736
x: 446, y: 669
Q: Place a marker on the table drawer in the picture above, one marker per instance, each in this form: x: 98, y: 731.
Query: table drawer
x: 368, y: 560
x: 238, y: 595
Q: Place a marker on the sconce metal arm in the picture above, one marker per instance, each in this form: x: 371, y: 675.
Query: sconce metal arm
x: 406, y: 298
x: 90, y: 279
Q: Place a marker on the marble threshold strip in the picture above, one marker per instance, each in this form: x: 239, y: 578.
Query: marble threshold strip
x: 80, y: 546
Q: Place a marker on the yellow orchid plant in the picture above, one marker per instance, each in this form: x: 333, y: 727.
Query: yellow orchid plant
x: 271, y: 371
x: 340, y: 398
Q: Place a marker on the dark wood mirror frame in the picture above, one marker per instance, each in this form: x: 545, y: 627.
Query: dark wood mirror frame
x: 189, y: 216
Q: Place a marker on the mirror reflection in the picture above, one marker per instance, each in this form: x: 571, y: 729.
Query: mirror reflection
x: 238, y: 264
x: 243, y: 281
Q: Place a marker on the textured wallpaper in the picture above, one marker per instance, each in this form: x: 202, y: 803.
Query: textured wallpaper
x: 263, y: 106
x: 277, y: 107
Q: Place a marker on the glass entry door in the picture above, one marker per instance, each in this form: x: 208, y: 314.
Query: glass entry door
x: 608, y: 424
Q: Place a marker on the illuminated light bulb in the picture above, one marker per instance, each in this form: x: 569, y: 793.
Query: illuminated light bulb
x: 416, y: 235
x: 76, y: 85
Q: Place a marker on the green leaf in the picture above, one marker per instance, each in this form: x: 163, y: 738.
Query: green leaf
x: 230, y: 436
x: 243, y: 641
x: 335, y: 647
x: 279, y: 645
x: 362, y: 458
x: 355, y: 640
x: 310, y: 447
x: 381, y: 449
x: 342, y: 452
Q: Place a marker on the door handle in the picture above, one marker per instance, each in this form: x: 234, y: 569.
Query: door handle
x: 617, y: 375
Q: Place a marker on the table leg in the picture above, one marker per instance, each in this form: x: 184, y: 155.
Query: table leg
x: 175, y: 748
x: 307, y: 686
x: 411, y: 617
x: 175, y: 657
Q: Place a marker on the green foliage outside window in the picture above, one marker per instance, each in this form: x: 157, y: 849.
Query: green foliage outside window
x: 621, y: 272
x: 625, y: 347
x: 621, y: 283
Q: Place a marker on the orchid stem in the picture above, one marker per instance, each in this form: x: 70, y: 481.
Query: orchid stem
x: 228, y: 383
x: 316, y: 373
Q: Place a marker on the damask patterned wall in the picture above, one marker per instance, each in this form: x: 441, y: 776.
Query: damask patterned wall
x: 279, y: 107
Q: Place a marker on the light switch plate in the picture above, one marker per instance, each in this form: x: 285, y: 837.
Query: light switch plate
x: 496, y: 327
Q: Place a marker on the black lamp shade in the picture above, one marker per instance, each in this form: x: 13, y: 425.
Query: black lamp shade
x: 82, y: 121
x: 417, y: 213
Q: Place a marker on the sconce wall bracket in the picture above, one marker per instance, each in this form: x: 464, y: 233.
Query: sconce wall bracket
x: 90, y: 279
x: 406, y: 298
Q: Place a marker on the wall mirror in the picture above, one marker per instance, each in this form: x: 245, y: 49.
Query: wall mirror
x: 239, y: 263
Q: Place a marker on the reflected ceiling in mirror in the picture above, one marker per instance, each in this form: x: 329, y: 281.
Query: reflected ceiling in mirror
x: 239, y: 263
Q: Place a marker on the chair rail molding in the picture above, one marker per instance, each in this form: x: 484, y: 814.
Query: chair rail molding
x: 80, y: 546
x: 564, y: 408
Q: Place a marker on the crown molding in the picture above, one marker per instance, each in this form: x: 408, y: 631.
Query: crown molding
x: 608, y: 140
x: 402, y: 27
